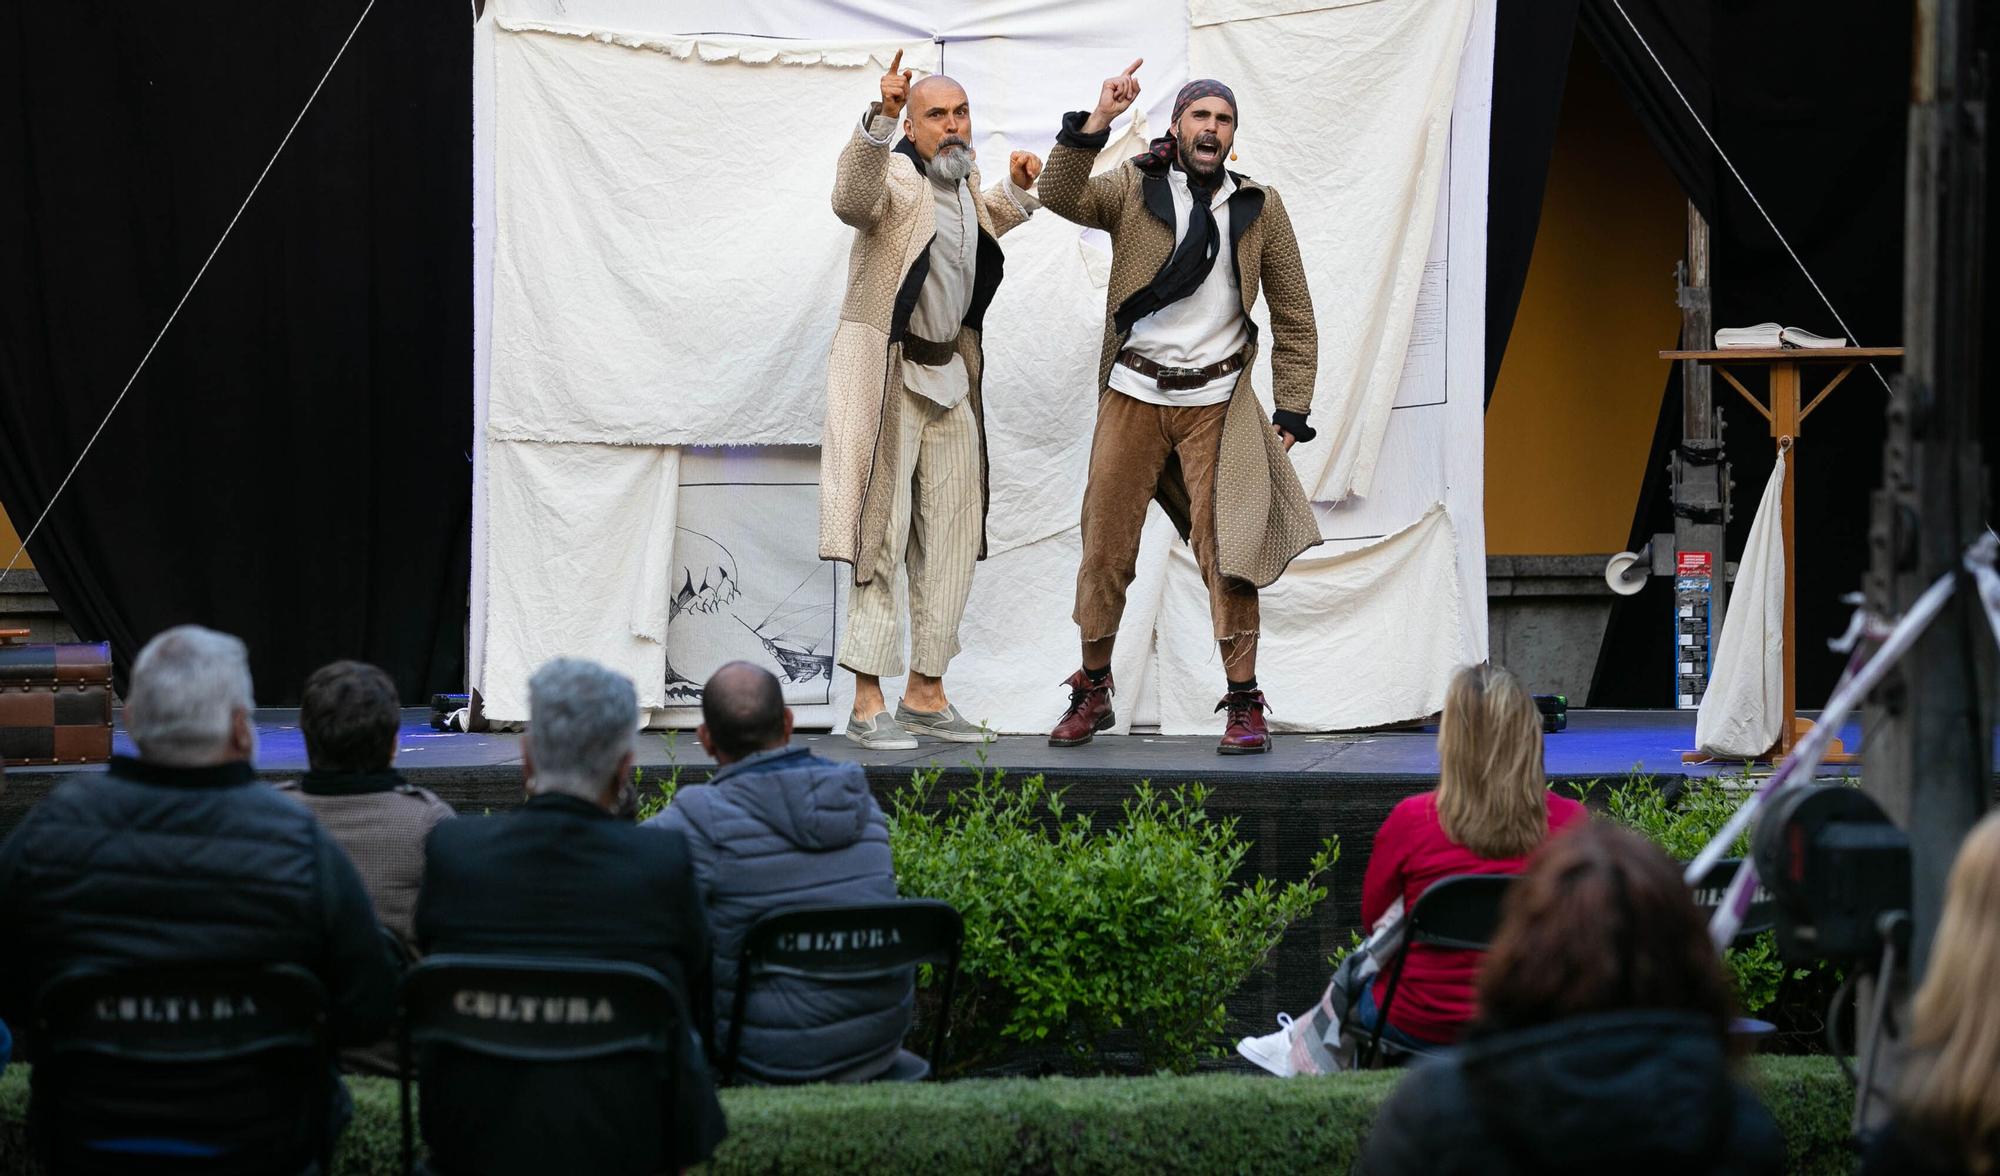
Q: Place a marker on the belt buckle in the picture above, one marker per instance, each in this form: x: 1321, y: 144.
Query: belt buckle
x: 1179, y: 378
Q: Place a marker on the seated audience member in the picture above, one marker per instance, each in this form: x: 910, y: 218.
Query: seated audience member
x: 1602, y: 1041
x: 350, y: 716
x: 778, y: 826
x: 181, y: 857
x: 1946, y: 1116
x: 1491, y: 809
x: 562, y: 876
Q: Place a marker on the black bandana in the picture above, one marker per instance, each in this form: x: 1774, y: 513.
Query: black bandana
x: 1185, y: 271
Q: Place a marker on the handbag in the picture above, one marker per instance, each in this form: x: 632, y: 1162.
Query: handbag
x: 1321, y: 1047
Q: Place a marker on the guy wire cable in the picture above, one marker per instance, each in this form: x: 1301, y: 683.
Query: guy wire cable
x: 1745, y: 185
x: 166, y: 326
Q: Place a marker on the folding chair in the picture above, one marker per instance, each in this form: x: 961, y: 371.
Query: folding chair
x: 1714, y: 886
x: 1461, y: 911
x: 860, y: 941
x: 183, y: 1069
x: 527, y: 1010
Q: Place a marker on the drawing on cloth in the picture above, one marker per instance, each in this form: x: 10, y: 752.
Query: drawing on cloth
x: 705, y: 581
x: 796, y: 635
x: 749, y: 586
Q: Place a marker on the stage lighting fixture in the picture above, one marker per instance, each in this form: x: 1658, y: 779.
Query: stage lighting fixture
x: 1835, y: 865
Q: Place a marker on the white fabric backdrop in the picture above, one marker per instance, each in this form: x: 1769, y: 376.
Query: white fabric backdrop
x: 1362, y: 186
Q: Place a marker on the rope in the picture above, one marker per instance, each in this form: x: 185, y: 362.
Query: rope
x: 1745, y: 185
x: 165, y: 327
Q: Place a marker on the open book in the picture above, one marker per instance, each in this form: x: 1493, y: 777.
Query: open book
x: 1772, y: 335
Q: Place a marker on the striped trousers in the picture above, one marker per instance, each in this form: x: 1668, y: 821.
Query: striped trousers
x: 932, y: 542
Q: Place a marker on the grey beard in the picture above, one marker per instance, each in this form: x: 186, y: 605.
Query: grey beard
x: 951, y: 164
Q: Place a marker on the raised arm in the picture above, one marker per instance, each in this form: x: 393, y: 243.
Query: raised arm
x: 1294, y: 335
x: 1067, y: 187
x: 860, y: 188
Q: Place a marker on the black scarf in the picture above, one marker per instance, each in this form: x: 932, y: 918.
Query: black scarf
x: 1188, y: 268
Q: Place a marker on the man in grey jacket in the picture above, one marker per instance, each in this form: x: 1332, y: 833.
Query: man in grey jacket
x: 779, y: 826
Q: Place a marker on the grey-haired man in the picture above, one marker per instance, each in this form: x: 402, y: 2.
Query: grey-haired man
x: 564, y: 876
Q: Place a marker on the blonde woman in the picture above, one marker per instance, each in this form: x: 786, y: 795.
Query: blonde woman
x: 1947, y: 1116
x: 1491, y: 809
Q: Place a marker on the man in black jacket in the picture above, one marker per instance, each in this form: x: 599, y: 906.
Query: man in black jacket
x: 180, y: 857
x: 563, y: 876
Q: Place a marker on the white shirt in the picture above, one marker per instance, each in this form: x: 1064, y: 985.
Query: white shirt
x: 1205, y: 327
x: 947, y: 290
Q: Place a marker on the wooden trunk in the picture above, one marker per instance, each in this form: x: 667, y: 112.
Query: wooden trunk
x: 55, y: 704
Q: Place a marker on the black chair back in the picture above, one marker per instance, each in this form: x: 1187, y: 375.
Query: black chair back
x: 210, y: 1069
x: 1462, y: 911
x: 843, y: 942
x: 1714, y: 887
x: 530, y: 1010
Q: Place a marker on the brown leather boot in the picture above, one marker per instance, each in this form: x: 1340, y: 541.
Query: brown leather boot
x: 1089, y: 711
x: 1245, y: 733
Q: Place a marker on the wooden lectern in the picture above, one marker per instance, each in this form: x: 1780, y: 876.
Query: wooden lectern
x: 1782, y: 367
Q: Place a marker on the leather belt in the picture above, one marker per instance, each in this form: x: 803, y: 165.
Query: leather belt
x: 1180, y: 379
x: 926, y: 353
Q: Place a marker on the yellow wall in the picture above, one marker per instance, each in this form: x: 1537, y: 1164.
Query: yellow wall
x: 9, y: 540
x: 1572, y: 415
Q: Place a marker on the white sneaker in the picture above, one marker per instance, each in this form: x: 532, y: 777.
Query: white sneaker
x: 1273, y: 1051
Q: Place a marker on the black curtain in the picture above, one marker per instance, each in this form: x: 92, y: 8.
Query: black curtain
x: 1531, y: 48
x: 1813, y: 113
x: 293, y: 464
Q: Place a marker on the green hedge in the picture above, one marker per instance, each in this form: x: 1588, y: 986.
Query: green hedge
x: 1204, y: 1123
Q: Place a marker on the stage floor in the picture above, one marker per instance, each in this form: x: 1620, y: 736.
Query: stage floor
x: 1598, y: 744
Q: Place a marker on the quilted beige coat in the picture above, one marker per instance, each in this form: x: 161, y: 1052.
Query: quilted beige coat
x: 1262, y: 518
x: 882, y: 192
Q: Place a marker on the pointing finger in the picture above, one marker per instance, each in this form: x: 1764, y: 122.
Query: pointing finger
x: 897, y: 63
x: 1134, y: 67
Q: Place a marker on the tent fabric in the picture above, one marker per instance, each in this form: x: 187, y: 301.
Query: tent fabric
x: 1743, y: 712
x: 596, y: 523
x: 1359, y: 139
x: 612, y: 189
x: 1413, y: 547
x: 291, y: 464
x: 1346, y: 622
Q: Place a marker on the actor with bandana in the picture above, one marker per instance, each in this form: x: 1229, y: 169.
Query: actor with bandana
x: 1192, y: 243
x: 903, y: 461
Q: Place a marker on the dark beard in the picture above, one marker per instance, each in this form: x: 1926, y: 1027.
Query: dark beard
x: 1209, y: 176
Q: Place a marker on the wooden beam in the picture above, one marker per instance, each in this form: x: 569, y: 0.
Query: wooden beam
x: 1736, y: 384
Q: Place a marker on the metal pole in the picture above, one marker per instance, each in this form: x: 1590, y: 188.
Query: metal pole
x: 1929, y: 725
x: 1700, y: 478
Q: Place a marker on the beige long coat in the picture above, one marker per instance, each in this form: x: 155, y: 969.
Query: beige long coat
x: 1262, y: 518
x: 882, y: 193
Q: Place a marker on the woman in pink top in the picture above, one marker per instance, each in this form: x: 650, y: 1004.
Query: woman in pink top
x: 1491, y: 809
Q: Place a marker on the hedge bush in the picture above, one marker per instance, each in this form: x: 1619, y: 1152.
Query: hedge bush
x: 1204, y: 1123
x: 1092, y: 939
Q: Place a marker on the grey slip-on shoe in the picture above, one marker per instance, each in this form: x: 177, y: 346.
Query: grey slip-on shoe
x: 880, y: 733
x: 946, y: 724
